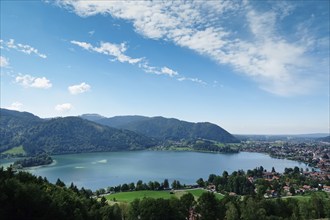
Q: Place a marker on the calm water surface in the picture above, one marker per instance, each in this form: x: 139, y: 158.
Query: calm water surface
x: 99, y: 170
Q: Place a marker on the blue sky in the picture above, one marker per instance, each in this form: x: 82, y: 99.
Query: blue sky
x: 252, y: 67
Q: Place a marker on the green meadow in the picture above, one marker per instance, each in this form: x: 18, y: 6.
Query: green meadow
x: 130, y: 196
x: 15, y: 151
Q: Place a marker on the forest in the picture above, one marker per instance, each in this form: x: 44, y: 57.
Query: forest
x: 24, y: 196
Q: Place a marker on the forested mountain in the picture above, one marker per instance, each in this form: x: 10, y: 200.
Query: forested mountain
x: 92, y: 117
x: 76, y: 134
x: 13, y: 127
x: 117, y: 121
x: 169, y: 128
x: 65, y: 135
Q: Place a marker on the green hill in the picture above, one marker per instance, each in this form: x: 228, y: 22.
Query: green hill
x: 13, y: 127
x: 169, y: 128
x: 65, y: 135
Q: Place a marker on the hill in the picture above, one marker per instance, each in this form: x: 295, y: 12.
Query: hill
x: 65, y: 135
x: 169, y: 128
x: 13, y: 127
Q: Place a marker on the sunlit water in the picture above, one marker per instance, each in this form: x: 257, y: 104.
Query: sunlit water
x: 99, y: 170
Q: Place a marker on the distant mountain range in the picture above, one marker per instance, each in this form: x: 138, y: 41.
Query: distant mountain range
x: 95, y: 133
x: 163, y: 129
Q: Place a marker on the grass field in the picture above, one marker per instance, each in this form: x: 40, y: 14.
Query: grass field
x: 15, y: 151
x: 300, y: 198
x: 130, y: 196
x: 308, y: 196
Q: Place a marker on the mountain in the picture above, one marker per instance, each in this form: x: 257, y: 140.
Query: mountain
x: 169, y: 128
x: 13, y: 126
x: 117, y: 121
x: 65, y: 135
x: 92, y: 117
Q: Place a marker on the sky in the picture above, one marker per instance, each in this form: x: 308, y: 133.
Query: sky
x: 251, y: 67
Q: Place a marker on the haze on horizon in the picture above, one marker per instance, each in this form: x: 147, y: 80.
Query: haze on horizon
x: 251, y: 67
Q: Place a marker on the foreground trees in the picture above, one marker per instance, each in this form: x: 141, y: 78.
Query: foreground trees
x: 24, y: 196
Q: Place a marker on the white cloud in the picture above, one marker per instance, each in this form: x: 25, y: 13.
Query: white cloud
x: 27, y: 49
x: 168, y: 71
x: 33, y: 82
x: 77, y: 89
x: 196, y: 80
x: 281, y: 64
x: 4, y: 62
x: 114, y: 50
x: 15, y: 106
x: 118, y: 52
x: 63, y: 108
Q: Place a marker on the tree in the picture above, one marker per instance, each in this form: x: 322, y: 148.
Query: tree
x: 200, y: 182
x: 211, y: 178
x: 151, y: 185
x: 187, y: 201
x: 261, y: 190
x: 139, y: 185
x: 134, y: 210
x: 124, y: 187
x: 251, y: 210
x: 317, y: 204
x: 176, y: 184
x: 59, y: 183
x: 166, y: 184
x: 131, y: 186
x: 208, y: 206
x: 292, y: 190
x: 273, y: 170
x: 232, y: 212
x: 156, y: 185
x: 225, y: 174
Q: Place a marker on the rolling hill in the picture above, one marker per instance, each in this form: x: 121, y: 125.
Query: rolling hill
x: 64, y: 135
x: 168, y: 128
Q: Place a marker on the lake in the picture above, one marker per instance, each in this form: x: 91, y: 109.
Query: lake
x: 100, y: 170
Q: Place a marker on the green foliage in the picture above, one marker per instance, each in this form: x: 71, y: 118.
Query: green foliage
x: 13, y: 127
x: 40, y: 159
x: 24, y: 196
x: 204, y: 145
x: 169, y: 128
x: 176, y: 184
x: 209, y: 206
x: 64, y: 135
x: 187, y: 201
x: 16, y: 151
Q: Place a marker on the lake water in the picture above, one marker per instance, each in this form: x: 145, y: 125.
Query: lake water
x: 99, y: 170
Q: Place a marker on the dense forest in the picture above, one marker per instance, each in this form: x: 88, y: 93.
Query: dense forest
x: 64, y: 135
x: 38, y: 160
x: 24, y: 196
x: 98, y: 134
x: 166, y: 128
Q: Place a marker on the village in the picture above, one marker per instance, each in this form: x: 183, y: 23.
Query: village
x: 315, y: 154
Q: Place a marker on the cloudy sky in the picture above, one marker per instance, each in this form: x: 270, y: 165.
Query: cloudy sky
x: 252, y: 67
